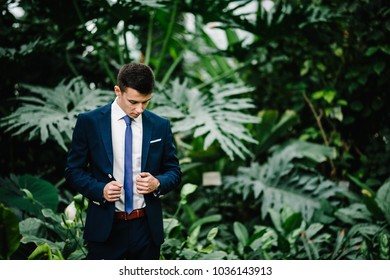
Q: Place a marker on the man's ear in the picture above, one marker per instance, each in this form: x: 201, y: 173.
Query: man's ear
x: 117, y: 90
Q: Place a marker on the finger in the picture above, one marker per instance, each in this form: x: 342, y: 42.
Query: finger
x: 144, y: 174
x: 116, y: 183
x: 115, y: 190
x: 143, y: 183
x: 114, y: 195
x: 142, y: 189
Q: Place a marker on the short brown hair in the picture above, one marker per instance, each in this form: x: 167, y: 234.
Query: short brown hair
x: 137, y: 76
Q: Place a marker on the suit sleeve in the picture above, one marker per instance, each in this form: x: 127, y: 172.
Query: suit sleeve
x: 78, y: 172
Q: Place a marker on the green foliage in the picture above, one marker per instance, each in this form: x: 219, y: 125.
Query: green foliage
x: 383, y: 199
x: 28, y: 193
x: 51, y: 113
x: 9, y: 233
x: 272, y: 127
x: 369, y: 227
x: 282, y: 182
x: 57, y: 235
x: 289, y: 237
x: 199, y: 241
x: 333, y: 56
x: 217, y: 116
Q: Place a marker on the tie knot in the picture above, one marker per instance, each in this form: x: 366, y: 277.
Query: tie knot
x: 127, y: 120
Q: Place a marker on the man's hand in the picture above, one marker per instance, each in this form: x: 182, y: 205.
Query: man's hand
x: 112, y: 191
x: 146, y: 183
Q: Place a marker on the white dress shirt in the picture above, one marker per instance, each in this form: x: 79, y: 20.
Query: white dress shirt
x: 118, y: 128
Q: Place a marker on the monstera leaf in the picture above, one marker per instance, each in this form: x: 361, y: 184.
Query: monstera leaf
x: 218, y: 116
x: 50, y: 113
x: 282, y: 181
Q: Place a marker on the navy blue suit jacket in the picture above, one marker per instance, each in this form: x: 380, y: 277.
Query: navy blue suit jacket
x: 90, y: 160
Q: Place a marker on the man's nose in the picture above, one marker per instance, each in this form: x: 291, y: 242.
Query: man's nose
x: 139, y: 108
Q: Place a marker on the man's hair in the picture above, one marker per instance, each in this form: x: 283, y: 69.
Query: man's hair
x: 137, y: 76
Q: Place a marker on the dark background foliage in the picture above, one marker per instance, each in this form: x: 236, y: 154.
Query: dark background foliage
x: 325, y: 61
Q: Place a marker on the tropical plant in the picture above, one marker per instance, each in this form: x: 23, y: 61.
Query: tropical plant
x: 287, y: 179
x: 9, y: 232
x: 51, y: 113
x: 330, y: 54
x: 368, y: 219
x: 279, y: 241
x: 271, y: 130
x: 57, y: 235
x: 218, y: 116
x: 34, y: 219
x: 28, y: 194
x: 191, y: 237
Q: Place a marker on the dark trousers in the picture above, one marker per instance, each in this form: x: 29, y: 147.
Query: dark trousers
x: 129, y: 240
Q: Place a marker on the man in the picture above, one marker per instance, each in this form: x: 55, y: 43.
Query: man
x: 122, y: 158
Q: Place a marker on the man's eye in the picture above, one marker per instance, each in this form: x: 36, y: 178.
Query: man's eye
x: 133, y: 102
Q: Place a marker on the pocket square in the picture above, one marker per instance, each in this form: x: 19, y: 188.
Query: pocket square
x: 155, y: 140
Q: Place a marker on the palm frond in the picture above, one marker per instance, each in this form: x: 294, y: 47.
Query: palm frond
x: 218, y: 116
x: 280, y: 182
x: 51, y: 113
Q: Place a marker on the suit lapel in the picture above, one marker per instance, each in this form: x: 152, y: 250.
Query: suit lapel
x: 147, y: 129
x: 105, y: 131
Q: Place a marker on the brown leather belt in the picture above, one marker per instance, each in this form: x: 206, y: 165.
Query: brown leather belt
x: 135, y: 214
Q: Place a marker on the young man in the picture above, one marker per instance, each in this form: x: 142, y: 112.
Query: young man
x: 122, y: 158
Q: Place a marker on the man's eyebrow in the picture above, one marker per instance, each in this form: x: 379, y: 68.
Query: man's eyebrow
x: 135, y: 101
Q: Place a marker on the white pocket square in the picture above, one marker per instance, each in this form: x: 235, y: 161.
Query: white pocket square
x: 155, y: 140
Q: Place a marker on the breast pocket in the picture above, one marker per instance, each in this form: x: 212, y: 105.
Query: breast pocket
x: 155, y: 141
x: 155, y: 155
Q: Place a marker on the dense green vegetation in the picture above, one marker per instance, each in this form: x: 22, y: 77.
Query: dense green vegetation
x: 280, y: 115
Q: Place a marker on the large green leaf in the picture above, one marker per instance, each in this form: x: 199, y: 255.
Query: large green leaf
x: 28, y: 193
x: 280, y: 182
x: 43, y: 251
x: 218, y: 116
x: 241, y: 233
x: 272, y: 127
x: 205, y: 220
x: 50, y: 113
x: 383, y: 199
x: 9, y: 233
x: 354, y: 213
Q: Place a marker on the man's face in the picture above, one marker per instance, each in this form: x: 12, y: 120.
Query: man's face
x: 131, y: 101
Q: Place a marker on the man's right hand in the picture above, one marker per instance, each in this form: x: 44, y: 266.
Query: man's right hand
x: 112, y: 191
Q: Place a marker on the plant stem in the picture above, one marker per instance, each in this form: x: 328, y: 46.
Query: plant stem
x: 70, y: 64
x: 166, y: 39
x: 223, y: 75
x: 118, y: 48
x: 127, y: 55
x: 149, y: 39
x: 73, y: 235
x: 318, y: 117
x: 59, y: 183
x: 171, y: 69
